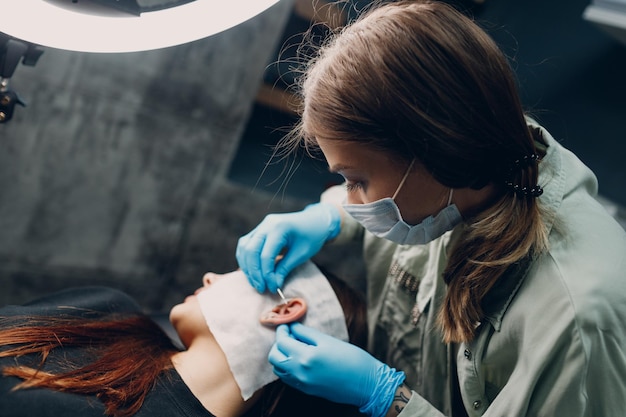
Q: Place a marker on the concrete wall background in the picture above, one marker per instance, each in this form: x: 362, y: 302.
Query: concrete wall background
x: 114, y: 173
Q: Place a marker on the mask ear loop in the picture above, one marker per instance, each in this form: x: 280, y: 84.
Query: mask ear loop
x: 450, y: 197
x: 406, y: 175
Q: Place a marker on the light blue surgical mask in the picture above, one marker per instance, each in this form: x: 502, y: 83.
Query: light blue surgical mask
x: 382, y: 218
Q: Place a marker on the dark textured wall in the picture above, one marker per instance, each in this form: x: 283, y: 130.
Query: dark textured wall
x: 108, y: 175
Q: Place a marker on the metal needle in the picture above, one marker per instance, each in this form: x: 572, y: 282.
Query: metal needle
x: 279, y: 291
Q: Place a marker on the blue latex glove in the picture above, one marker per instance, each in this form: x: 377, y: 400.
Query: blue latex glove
x: 299, y: 235
x: 321, y: 365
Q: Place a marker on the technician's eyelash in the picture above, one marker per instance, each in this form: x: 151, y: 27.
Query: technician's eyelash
x: 353, y: 186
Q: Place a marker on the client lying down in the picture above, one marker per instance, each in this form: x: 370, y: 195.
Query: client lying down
x: 90, y: 351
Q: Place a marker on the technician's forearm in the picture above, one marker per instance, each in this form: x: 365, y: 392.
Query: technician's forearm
x: 400, y: 400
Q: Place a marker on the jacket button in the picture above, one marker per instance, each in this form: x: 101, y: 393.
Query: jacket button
x: 467, y: 354
x: 476, y: 405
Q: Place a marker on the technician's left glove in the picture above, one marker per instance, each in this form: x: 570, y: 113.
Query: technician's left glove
x: 298, y: 236
x: 322, y: 365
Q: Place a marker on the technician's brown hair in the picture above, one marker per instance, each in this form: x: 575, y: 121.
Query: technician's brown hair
x: 419, y: 80
x: 129, y: 353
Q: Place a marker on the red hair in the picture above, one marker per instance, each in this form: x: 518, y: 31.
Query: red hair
x: 128, y: 355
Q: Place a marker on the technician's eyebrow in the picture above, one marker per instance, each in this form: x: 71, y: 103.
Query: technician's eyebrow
x: 336, y: 169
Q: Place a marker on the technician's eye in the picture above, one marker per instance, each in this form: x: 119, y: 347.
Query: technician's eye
x: 353, y: 186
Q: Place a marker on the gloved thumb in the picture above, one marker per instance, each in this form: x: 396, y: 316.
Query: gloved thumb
x: 276, y: 355
x: 306, y: 334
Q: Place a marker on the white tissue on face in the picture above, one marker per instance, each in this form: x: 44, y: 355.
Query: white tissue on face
x: 232, y: 308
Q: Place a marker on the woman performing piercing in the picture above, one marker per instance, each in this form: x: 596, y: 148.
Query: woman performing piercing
x: 495, y: 279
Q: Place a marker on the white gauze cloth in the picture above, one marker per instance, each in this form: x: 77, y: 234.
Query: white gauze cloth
x: 232, y: 308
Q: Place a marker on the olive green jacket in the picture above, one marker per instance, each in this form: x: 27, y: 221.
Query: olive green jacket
x: 553, y: 342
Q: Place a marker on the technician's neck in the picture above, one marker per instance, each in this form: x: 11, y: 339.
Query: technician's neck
x: 471, y: 202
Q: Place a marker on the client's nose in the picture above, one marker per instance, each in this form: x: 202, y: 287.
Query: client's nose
x: 208, y: 278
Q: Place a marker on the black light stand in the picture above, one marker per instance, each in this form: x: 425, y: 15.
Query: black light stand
x: 11, y: 52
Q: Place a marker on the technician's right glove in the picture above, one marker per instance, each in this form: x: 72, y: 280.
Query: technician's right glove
x: 299, y: 235
x: 321, y: 365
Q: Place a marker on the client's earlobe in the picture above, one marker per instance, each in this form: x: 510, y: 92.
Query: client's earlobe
x: 294, y: 310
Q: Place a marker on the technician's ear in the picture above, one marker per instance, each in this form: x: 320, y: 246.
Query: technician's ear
x: 294, y: 310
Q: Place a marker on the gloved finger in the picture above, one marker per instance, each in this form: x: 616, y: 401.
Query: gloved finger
x: 240, y: 250
x: 273, y: 246
x: 277, y: 354
x: 282, y: 331
x: 289, y: 346
x: 274, y: 281
x: 284, y: 366
x: 240, y: 254
x: 306, y: 334
x: 277, y: 358
x: 281, y: 366
x: 252, y: 260
x: 292, y: 259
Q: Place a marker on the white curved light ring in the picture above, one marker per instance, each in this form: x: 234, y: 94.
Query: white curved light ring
x: 44, y: 23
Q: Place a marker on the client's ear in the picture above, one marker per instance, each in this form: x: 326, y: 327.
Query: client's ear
x: 283, y: 313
